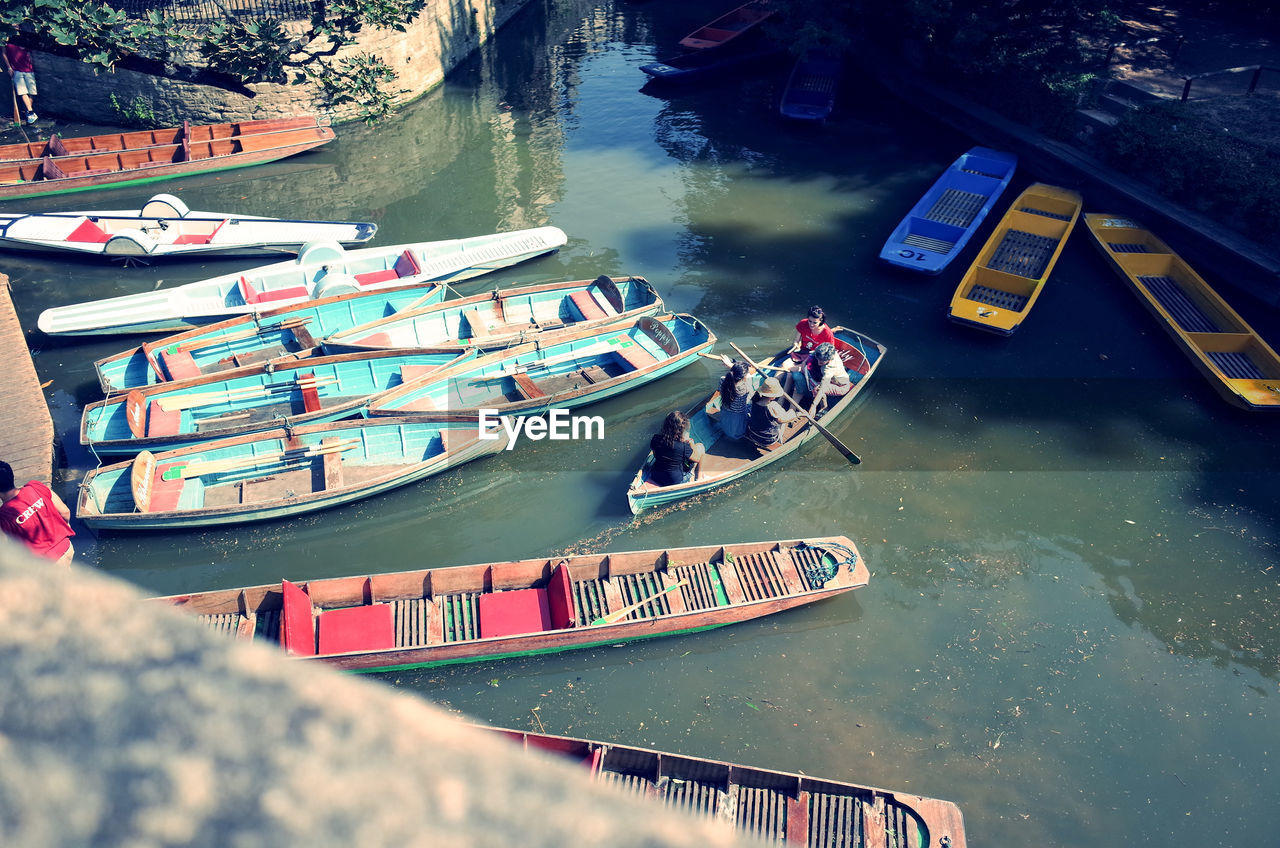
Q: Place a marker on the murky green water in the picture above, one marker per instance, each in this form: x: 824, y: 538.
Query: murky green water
x: 1071, y: 628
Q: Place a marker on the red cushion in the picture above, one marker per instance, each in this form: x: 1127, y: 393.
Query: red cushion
x: 298, y: 630
x: 560, y: 598
x: 252, y: 295
x: 88, y: 232
x: 514, y: 612
x: 376, y: 276
x: 162, y: 422
x: 193, y: 238
x: 636, y: 356
x: 310, y: 396
x: 179, y: 365
x: 165, y: 493
x: 587, y: 306
x: 367, y: 628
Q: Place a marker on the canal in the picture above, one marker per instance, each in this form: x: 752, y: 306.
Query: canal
x: 1071, y: 627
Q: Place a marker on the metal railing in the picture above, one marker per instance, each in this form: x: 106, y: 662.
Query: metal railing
x: 210, y: 11
x: 1253, y: 81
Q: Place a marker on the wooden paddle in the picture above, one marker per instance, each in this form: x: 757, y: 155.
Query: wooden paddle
x: 169, y: 404
x: 589, y: 350
x: 196, y: 469
x: 196, y: 344
x: 728, y: 363
x: 626, y: 611
x: 827, y: 434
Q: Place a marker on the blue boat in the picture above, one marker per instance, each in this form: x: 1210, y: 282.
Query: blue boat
x: 273, y: 474
x: 249, y: 340
x: 810, y: 94
x: 941, y: 223
x: 306, y: 391
x: 530, y: 379
x: 725, y: 459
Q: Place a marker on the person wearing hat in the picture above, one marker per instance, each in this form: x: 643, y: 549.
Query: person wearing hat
x: 768, y: 414
x: 675, y: 454
x: 37, y: 517
x: 825, y: 377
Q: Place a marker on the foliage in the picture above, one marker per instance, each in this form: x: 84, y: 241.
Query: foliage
x: 136, y: 113
x: 362, y: 77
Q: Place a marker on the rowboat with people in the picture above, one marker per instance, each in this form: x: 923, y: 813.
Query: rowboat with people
x: 1006, y: 279
x: 579, y: 368
x: 62, y: 165
x: 291, y: 393
x: 273, y: 474
x: 1229, y: 353
x: 941, y: 223
x: 770, y: 805
x: 165, y: 227
x: 321, y: 270
x: 249, y: 340
x: 726, y: 459
x: 439, y: 616
x: 504, y: 317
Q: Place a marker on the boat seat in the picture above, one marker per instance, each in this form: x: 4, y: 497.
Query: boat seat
x: 479, y: 329
x: 162, y: 422
x: 587, y: 306
x: 409, y: 373
x: 377, y: 340
x: 310, y: 394
x: 635, y: 356
x: 88, y: 232
x: 369, y: 277
x: 251, y: 295
x: 514, y: 612
x: 298, y: 625
x: 331, y: 464
x: 560, y: 598
x: 179, y: 365
x: 527, y: 387
x: 165, y: 494
x: 366, y: 628
x: 193, y: 238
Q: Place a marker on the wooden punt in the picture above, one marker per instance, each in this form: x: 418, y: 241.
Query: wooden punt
x: 810, y: 93
x: 63, y: 165
x: 1005, y: 280
x: 580, y: 368
x: 439, y: 616
x: 773, y: 806
x: 249, y: 340
x: 273, y: 474
x: 941, y: 223
x: 504, y: 317
x: 322, y: 269
x: 730, y: 26
x: 726, y: 459
x: 165, y: 227
x: 292, y: 392
x: 1236, y: 361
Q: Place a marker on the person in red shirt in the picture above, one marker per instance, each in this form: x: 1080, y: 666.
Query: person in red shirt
x: 810, y: 332
x: 37, y: 517
x: 17, y: 61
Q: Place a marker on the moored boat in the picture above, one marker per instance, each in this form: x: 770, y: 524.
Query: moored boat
x: 771, y: 805
x: 748, y: 56
x: 322, y: 269
x: 165, y: 227
x: 63, y: 165
x: 941, y: 223
x: 438, y: 616
x: 725, y: 459
x: 287, y: 393
x: 810, y: 93
x: 249, y: 340
x: 504, y: 317
x: 528, y: 379
x: 273, y: 474
x: 730, y: 26
x: 1006, y: 279
x: 1229, y: 353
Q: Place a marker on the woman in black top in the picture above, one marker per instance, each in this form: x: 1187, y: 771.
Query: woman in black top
x: 675, y: 455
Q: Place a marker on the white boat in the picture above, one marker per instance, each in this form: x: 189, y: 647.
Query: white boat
x: 322, y: 269
x: 164, y: 226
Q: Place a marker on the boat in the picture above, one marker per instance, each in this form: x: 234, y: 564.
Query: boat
x: 439, y: 616
x: 322, y: 269
x: 1005, y: 280
x: 164, y: 227
x: 1231, y: 355
x: 273, y: 474
x: 810, y: 93
x: 504, y: 317
x: 686, y: 67
x: 248, y: 340
x: 287, y: 393
x: 941, y: 223
x: 729, y: 27
x: 63, y: 165
x: 727, y: 460
x: 529, y: 379
x: 764, y: 804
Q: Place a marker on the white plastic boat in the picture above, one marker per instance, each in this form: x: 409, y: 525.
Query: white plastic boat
x: 322, y: 269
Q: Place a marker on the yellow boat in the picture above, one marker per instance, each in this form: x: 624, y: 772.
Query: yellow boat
x: 1003, y: 283
x: 1240, y: 365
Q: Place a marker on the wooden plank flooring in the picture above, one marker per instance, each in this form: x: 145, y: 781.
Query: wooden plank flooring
x: 26, y: 437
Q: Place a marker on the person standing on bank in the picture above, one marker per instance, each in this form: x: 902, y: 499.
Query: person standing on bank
x: 675, y: 454
x: 17, y: 61
x: 37, y: 517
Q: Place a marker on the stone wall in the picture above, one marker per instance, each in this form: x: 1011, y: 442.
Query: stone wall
x: 440, y: 37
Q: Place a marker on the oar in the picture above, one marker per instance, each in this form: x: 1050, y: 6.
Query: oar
x: 720, y: 357
x: 626, y: 611
x: 589, y: 350
x: 196, y: 469
x: 195, y: 344
x: 827, y: 434
x: 169, y: 404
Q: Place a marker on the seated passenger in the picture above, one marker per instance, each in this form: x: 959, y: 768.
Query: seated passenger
x: 767, y: 414
x: 825, y: 378
x: 675, y: 455
x: 812, y: 331
x: 735, y: 397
